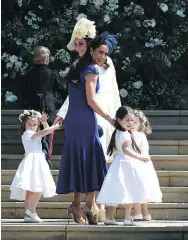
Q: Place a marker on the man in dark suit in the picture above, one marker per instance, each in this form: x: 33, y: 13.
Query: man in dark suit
x: 40, y: 80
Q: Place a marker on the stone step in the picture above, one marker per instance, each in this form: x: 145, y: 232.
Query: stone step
x: 169, y: 117
x: 161, y: 162
x: 159, y: 147
x: 160, y: 132
x: 156, y: 117
x: 170, y: 194
x: 166, y: 178
x: 170, y: 162
x: 169, y: 132
x: 159, y: 211
x: 58, y: 229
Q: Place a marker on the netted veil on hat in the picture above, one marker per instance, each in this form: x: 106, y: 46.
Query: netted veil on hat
x: 83, y: 28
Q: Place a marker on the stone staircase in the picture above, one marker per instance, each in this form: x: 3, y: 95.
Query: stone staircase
x: 169, y: 153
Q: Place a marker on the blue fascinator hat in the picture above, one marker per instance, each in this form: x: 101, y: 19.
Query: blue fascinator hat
x: 110, y: 41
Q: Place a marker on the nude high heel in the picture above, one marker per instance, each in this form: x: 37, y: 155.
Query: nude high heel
x: 89, y: 215
x: 76, y: 213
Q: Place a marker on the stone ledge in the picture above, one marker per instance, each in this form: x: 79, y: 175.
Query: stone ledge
x: 163, y: 230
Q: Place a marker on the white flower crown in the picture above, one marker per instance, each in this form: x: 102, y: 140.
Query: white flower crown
x: 140, y: 114
x: 29, y: 113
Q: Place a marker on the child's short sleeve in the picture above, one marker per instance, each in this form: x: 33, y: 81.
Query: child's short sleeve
x: 91, y: 69
x: 27, y: 135
x: 123, y: 137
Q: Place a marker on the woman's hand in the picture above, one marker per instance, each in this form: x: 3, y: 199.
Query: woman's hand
x: 58, y: 120
x: 110, y: 120
x: 58, y: 124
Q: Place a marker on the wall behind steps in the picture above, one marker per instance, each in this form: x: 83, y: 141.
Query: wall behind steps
x: 150, y: 59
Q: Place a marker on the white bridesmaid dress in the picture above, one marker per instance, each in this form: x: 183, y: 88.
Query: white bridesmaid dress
x: 33, y: 173
x: 127, y: 180
x: 108, y: 98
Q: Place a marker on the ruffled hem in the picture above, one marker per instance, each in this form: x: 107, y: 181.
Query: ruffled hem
x: 19, y: 193
x: 82, y: 168
x: 128, y: 201
x: 33, y: 175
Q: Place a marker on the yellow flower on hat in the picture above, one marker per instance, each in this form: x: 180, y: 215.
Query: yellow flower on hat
x: 83, y: 28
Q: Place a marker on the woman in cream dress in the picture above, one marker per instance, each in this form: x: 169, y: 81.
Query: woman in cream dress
x: 108, y: 95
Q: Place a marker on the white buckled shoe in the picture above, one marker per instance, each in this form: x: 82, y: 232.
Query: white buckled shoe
x: 31, y: 217
x: 147, y: 217
x: 128, y: 222
x: 110, y: 222
x: 138, y: 217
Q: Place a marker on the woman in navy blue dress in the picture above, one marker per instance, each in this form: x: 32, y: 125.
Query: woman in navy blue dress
x: 83, y: 166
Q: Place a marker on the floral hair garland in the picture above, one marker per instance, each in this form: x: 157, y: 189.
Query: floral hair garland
x: 140, y: 114
x: 29, y: 113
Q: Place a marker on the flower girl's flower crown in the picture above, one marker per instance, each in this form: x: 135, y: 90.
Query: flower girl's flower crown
x: 29, y: 113
x: 141, y: 115
x: 83, y: 28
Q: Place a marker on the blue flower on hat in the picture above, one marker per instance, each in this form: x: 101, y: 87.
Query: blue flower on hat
x: 110, y: 41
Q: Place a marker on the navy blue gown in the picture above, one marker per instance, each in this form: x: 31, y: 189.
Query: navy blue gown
x: 83, y: 166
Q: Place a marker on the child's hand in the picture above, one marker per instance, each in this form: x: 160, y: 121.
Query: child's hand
x: 44, y: 117
x: 145, y: 158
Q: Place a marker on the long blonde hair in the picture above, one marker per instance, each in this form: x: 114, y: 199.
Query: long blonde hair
x: 41, y: 55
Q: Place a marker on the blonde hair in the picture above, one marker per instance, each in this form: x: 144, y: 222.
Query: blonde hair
x: 144, y: 122
x: 41, y: 54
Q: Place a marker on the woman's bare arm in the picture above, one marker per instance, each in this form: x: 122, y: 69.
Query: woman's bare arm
x: 91, y: 81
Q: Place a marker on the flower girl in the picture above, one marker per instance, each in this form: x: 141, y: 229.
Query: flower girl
x: 140, y: 130
x: 33, y: 177
x: 125, y: 182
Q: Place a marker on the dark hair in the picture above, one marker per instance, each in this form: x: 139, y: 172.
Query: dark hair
x: 81, y: 64
x: 120, y: 114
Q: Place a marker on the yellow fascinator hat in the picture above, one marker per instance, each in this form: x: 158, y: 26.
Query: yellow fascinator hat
x: 83, y: 28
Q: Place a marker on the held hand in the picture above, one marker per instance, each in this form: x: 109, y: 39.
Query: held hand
x: 58, y: 118
x: 145, y: 158
x: 113, y: 122
x: 58, y: 124
x: 110, y: 120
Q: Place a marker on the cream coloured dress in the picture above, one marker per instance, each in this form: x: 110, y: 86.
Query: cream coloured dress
x: 108, y: 98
